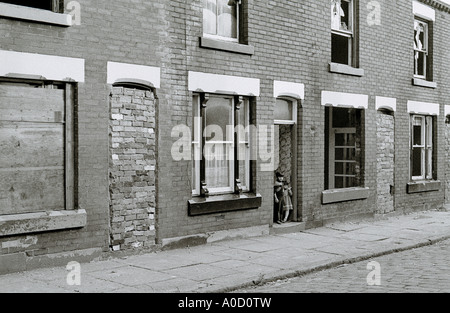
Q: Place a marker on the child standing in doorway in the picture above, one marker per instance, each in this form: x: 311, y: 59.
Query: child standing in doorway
x: 278, y: 197
x: 286, y: 202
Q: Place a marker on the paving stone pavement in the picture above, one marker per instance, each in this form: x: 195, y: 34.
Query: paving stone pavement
x: 225, y: 266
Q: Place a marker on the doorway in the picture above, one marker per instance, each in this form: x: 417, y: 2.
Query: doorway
x: 286, y: 149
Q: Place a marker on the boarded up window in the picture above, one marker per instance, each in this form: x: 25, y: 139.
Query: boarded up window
x: 36, y: 163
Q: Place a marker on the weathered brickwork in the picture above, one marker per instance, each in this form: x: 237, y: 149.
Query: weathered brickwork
x: 132, y: 168
x: 385, y: 163
x: 119, y: 31
x: 447, y: 176
x: 137, y: 206
x: 283, y: 147
x: 292, y: 43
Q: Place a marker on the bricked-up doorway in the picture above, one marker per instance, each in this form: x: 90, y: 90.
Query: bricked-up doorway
x: 37, y: 166
x: 447, y: 151
x: 286, y: 147
x: 385, y: 162
x: 132, y: 166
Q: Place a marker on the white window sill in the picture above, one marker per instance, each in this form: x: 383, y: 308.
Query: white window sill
x: 224, y: 45
x: 424, y: 83
x: 346, y: 69
x: 19, y: 224
x: 35, y: 15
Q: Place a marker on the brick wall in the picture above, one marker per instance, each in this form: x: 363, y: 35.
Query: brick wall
x: 447, y: 172
x: 385, y: 162
x: 406, y: 91
x: 292, y: 43
x: 120, y: 31
x: 132, y: 168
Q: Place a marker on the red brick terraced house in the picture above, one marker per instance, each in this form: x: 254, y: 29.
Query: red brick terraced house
x: 146, y: 125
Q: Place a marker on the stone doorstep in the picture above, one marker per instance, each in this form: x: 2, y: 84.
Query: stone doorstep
x: 287, y: 228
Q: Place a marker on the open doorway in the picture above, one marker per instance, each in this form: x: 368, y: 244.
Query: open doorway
x: 285, y: 121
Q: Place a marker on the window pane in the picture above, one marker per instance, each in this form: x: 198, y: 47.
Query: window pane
x: 219, y: 114
x: 420, y: 30
x: 350, y: 182
x: 342, y: 154
x: 227, y: 19
x: 345, y: 140
x: 417, y: 135
x: 417, y: 162
x: 343, y: 168
x: 217, y: 165
x: 340, y: 49
x: 283, y: 110
x: 339, y: 182
x: 341, y: 15
x: 350, y: 169
x: 344, y: 118
x: 345, y: 16
x: 210, y: 17
x: 339, y: 168
x: 419, y: 63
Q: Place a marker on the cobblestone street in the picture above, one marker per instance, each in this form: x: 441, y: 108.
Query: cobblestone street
x: 424, y: 270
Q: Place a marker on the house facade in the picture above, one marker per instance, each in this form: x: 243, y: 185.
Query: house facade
x: 158, y: 124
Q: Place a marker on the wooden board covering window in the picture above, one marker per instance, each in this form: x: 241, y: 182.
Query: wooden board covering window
x: 36, y: 166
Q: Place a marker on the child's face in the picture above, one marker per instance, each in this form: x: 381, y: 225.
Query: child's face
x: 280, y: 178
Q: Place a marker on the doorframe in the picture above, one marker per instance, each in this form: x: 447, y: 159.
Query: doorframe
x: 294, y: 152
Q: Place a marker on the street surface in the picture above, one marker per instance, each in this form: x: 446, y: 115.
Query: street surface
x: 424, y: 270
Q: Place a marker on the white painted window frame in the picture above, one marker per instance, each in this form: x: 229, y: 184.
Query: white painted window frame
x: 426, y: 146
x: 198, y: 129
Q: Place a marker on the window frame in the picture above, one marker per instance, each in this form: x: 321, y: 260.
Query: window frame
x: 426, y: 147
x: 238, y: 4
x: 425, y: 51
x: 236, y: 186
x: 330, y: 150
x: 349, y: 34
